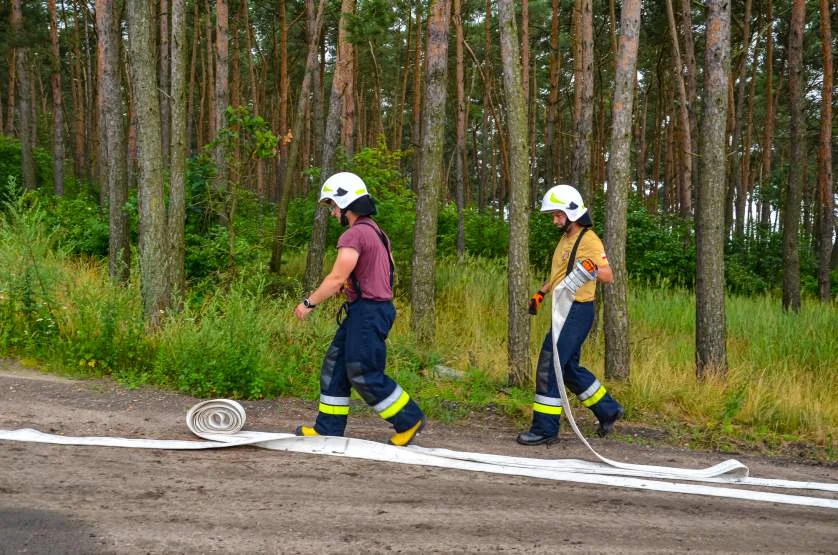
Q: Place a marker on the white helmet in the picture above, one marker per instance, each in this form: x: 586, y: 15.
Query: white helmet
x: 564, y: 198
x: 343, y: 189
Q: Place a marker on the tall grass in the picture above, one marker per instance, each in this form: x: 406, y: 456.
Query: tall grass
x: 243, y: 341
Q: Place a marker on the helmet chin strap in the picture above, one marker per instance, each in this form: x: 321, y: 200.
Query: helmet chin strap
x: 344, y: 221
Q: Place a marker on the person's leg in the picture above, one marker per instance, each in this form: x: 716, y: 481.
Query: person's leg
x: 547, y: 403
x: 366, y: 358
x: 579, y: 379
x: 333, y: 409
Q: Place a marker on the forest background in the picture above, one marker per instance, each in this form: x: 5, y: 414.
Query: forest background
x: 160, y: 162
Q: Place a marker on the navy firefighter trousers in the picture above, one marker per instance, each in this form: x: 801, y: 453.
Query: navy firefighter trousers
x: 357, y: 358
x: 547, y: 406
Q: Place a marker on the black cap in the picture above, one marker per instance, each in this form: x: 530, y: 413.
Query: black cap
x: 585, y: 220
x: 363, y: 206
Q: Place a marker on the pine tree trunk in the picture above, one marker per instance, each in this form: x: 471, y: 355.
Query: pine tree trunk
x: 825, y: 186
x: 284, y: 130
x: 430, y: 172
x: 791, y: 209
x: 193, y: 69
x: 460, y: 154
x: 2, y: 123
x: 10, y: 128
x: 203, y: 103
x: 25, y: 111
x: 315, y: 26
x: 88, y: 84
x: 317, y: 245
x: 153, y: 245
x: 398, y: 114
x: 584, y: 111
x: 318, y: 118
x: 685, y: 140
x: 710, y: 333
x: 80, y: 165
x: 617, y: 359
x: 57, y: 104
x: 487, y: 167
x: 744, y: 174
x: 768, y: 123
x: 221, y: 96
x: 164, y: 78
x: 416, y: 123
x: 692, y: 75
x: 642, y: 153
x: 518, y: 355
x: 113, y: 126
x: 734, y: 182
x: 254, y: 91
x: 179, y: 138
x: 346, y: 55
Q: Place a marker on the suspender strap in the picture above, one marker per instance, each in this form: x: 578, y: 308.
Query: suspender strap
x: 572, y: 260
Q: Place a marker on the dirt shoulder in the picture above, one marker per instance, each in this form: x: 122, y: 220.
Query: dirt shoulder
x: 70, y: 499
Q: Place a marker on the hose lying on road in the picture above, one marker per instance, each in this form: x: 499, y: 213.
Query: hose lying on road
x: 219, y: 423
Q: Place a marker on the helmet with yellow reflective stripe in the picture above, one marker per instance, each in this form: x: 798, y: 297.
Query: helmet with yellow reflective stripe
x: 343, y: 189
x: 564, y: 198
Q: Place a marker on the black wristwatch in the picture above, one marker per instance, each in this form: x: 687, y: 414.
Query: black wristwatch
x: 308, y: 304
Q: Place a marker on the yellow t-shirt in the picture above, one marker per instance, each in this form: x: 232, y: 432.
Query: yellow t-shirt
x: 590, y: 247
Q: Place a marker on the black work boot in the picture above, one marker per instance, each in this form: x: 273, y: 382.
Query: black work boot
x: 532, y: 438
x: 607, y: 426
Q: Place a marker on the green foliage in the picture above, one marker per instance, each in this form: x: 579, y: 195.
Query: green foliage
x: 105, y: 333
x: 10, y: 162
x: 78, y: 222
x: 486, y: 235
x: 225, y: 224
x: 27, y: 275
x: 246, y: 131
x: 659, y: 249
x: 223, y: 349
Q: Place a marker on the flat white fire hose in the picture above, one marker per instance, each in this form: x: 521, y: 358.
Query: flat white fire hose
x: 220, y: 423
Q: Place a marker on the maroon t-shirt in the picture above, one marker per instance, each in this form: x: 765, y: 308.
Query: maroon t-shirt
x: 373, y: 268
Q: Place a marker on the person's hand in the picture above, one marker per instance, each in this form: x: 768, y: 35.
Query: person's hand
x: 535, y: 302
x: 301, y: 311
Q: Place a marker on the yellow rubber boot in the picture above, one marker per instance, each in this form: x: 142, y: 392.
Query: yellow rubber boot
x: 306, y: 431
x: 406, y: 437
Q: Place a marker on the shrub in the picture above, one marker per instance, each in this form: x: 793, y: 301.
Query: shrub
x: 10, y: 162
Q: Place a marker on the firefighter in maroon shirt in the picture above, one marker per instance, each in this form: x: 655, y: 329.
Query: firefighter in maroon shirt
x: 357, y: 356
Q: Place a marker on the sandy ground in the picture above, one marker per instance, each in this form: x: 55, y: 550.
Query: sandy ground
x: 70, y: 499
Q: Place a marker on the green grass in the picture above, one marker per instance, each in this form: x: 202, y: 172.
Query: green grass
x: 241, y: 340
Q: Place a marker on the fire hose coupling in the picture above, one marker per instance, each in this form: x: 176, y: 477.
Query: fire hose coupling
x: 583, y: 272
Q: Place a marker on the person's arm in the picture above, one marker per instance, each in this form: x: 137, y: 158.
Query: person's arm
x: 605, y: 274
x: 341, y: 270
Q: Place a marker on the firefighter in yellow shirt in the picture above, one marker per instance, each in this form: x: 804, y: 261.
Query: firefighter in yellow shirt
x: 579, y: 261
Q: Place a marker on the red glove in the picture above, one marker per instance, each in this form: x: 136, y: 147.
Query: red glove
x: 535, y: 302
